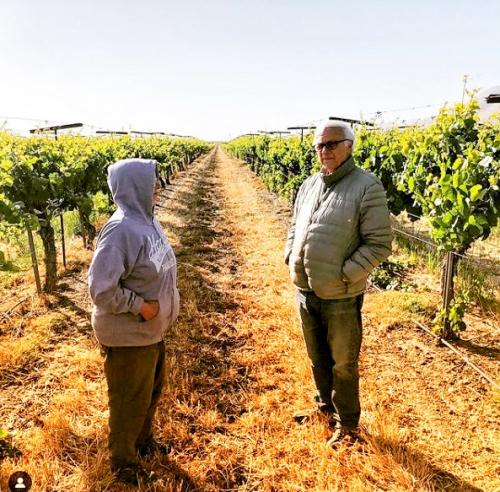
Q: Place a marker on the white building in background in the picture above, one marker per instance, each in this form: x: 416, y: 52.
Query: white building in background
x: 489, y: 109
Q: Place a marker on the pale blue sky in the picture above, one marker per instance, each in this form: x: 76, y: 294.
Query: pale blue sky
x: 216, y: 69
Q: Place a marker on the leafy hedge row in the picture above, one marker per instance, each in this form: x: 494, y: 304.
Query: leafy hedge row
x: 42, y: 177
x: 448, y: 172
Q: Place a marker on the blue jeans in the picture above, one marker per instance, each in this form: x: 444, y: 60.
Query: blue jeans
x: 332, y: 333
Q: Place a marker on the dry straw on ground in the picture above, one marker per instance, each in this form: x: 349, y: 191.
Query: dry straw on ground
x: 236, y: 371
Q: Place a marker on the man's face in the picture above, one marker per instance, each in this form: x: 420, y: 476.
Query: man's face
x: 332, y: 158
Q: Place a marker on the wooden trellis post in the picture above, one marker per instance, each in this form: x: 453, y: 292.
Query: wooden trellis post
x: 448, y: 287
x: 33, y: 259
x: 63, y: 241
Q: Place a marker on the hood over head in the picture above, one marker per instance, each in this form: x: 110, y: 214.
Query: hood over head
x: 132, y: 182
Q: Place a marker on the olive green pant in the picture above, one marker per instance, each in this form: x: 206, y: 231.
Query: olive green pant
x: 135, y: 380
x: 333, y: 333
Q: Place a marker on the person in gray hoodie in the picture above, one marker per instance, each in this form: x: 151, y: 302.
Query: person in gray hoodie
x: 132, y: 281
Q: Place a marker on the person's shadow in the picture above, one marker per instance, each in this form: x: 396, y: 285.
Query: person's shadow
x: 182, y: 481
x: 420, y: 467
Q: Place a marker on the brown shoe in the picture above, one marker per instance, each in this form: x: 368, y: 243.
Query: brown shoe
x: 303, y: 416
x: 344, y: 435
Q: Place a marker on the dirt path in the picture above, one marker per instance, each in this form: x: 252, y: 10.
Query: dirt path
x: 237, y: 370
x: 429, y: 426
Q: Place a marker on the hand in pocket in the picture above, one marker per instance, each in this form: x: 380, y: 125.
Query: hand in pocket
x: 149, y: 310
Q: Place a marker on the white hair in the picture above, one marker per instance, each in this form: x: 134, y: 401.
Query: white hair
x: 338, y: 125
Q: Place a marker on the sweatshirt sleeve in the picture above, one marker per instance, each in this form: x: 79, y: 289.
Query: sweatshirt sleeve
x: 376, y: 235
x: 104, y: 278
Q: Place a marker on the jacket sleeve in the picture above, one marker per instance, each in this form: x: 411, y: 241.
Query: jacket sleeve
x: 291, y: 230
x: 376, y: 236
x: 104, y: 278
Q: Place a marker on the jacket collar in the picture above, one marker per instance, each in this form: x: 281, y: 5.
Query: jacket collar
x: 339, y: 173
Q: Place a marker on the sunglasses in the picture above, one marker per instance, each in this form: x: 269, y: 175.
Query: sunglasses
x: 329, y: 145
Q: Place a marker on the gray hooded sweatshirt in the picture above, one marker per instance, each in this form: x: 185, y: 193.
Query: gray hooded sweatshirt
x: 133, y: 262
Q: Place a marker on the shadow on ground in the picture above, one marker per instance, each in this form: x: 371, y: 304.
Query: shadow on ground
x: 492, y: 353
x: 419, y: 466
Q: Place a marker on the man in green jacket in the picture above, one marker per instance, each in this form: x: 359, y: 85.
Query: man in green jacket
x: 339, y: 233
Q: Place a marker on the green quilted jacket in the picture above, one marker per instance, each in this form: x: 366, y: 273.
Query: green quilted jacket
x: 339, y: 233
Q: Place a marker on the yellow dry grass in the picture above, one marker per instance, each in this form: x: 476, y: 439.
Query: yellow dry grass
x: 237, y: 369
